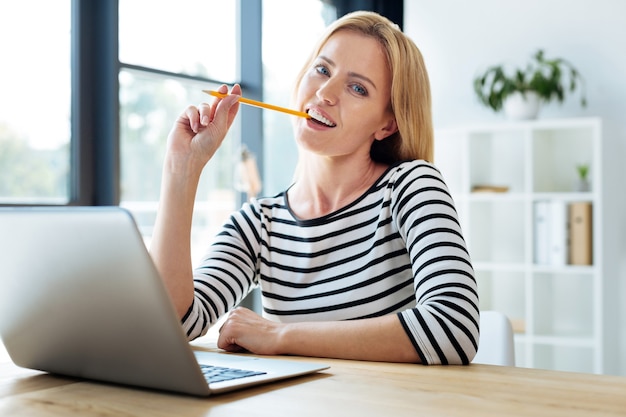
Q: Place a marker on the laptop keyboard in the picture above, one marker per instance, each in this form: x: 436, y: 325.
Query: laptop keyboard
x: 220, y: 373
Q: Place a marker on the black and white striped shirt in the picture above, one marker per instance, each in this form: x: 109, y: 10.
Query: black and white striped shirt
x: 397, y: 249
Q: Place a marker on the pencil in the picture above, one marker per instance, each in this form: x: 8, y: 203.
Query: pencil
x: 260, y: 104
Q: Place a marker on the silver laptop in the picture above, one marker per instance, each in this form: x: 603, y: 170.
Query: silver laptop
x: 80, y: 296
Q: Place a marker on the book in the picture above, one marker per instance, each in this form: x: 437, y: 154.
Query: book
x: 541, y: 232
x: 551, y: 234
x: 488, y: 188
x: 558, y: 241
x: 580, y: 233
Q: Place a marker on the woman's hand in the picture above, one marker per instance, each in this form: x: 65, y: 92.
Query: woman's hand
x: 244, y: 330
x: 199, y: 131
x: 374, y: 339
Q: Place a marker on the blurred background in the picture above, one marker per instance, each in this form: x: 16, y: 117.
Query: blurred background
x: 90, y: 89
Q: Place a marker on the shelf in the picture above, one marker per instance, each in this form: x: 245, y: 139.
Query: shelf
x: 556, y: 307
x: 490, y: 196
x: 564, y: 196
x: 488, y: 243
x: 495, y: 159
x: 503, y: 291
x: 564, y: 358
x: 556, y: 154
x: 582, y: 342
x: 502, y: 266
x: 589, y: 270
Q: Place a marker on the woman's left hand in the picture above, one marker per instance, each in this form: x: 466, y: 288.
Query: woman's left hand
x: 373, y: 339
x: 245, y: 330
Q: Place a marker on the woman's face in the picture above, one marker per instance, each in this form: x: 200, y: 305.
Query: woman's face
x: 346, y: 92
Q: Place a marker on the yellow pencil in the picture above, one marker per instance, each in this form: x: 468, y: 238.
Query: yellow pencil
x: 260, y: 104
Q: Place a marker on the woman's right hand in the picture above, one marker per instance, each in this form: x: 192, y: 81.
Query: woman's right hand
x: 199, y: 131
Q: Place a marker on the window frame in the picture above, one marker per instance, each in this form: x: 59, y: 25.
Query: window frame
x: 95, y: 108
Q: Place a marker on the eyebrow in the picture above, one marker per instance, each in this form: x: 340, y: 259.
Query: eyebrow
x: 350, y: 73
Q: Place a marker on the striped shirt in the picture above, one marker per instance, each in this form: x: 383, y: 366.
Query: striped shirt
x: 398, y: 249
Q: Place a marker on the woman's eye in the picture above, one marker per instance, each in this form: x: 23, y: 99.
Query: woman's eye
x: 322, y: 70
x: 359, y: 89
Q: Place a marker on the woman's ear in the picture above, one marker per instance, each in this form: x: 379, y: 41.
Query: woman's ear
x: 387, y: 130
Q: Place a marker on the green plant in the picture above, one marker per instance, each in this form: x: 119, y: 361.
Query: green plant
x: 549, y: 78
x: 583, y: 171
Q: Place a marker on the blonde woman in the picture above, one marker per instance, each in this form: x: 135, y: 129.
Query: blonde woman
x: 362, y: 257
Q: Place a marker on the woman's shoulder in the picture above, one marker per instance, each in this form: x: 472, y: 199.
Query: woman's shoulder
x: 409, y: 170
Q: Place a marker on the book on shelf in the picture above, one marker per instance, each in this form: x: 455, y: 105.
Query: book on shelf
x: 518, y: 324
x: 580, y: 233
x: 489, y: 188
x: 551, y: 238
x: 562, y: 233
x: 558, y: 233
x: 542, y: 232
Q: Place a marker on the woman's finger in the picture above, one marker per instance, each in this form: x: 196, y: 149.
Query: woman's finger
x: 226, y: 110
x: 222, y: 89
x: 206, y: 113
x: 236, y: 90
x: 192, y: 115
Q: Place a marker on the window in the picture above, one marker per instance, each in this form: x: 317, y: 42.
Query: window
x: 193, y: 37
x: 164, y: 68
x: 35, y: 102
x: 168, y: 53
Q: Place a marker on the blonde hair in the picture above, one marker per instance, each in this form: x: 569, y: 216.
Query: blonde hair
x: 410, y: 87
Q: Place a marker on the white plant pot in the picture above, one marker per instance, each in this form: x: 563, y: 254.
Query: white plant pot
x: 518, y: 106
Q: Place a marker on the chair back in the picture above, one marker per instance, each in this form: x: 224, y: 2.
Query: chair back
x: 496, y: 344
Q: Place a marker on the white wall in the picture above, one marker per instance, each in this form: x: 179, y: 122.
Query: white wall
x: 460, y: 38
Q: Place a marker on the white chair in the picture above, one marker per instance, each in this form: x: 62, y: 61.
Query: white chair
x: 496, y: 345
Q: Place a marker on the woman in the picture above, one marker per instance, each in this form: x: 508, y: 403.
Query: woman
x: 362, y: 257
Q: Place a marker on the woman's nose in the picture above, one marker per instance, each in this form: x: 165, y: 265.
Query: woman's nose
x: 328, y: 92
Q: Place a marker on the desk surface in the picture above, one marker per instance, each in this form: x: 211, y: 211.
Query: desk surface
x: 348, y: 388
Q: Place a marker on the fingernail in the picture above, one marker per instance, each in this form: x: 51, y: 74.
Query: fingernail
x: 205, y: 120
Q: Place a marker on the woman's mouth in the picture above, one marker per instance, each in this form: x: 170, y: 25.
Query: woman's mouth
x: 320, y: 119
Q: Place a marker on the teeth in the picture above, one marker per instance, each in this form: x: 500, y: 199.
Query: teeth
x: 315, y: 115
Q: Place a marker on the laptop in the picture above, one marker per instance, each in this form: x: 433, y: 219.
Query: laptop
x: 80, y: 296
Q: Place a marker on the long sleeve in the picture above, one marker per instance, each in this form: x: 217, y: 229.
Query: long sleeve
x: 226, y: 275
x: 443, y: 325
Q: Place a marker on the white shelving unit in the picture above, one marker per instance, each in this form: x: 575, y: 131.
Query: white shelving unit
x: 557, y: 310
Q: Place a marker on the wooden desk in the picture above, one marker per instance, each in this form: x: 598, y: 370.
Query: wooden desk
x: 348, y: 388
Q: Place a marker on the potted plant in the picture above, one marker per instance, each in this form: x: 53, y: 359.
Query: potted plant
x: 583, y: 183
x: 541, y: 80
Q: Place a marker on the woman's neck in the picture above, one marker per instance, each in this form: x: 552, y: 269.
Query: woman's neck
x: 324, y: 186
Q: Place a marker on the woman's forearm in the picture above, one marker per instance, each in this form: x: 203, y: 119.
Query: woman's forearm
x: 374, y: 339
x: 171, y: 244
